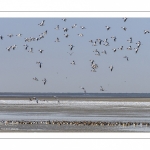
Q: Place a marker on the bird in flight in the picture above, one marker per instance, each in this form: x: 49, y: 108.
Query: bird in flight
x: 40, y: 64
x: 125, y: 19
x: 57, y: 40
x: 40, y: 50
x: 35, y: 78
x: 114, y: 38
x: 75, y: 25
x: 83, y: 89
x: 73, y: 62
x: 102, y: 89
x: 57, y: 27
x: 44, y: 80
x: 124, y: 28
x: 107, y: 27
x: 111, y: 67
x: 70, y: 53
x: 10, y: 35
x: 82, y: 27
x: 126, y: 57
x: 42, y: 23
x: 64, y: 19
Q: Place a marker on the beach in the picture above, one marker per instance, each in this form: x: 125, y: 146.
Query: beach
x: 74, y: 115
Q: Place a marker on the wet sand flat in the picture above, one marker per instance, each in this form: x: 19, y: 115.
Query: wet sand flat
x: 76, y: 109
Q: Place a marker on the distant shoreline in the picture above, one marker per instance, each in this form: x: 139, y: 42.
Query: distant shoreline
x: 121, y: 99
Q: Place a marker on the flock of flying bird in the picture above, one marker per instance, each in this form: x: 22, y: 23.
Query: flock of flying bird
x: 94, y: 66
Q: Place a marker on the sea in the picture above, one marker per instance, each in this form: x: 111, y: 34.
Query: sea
x: 98, y: 95
x: 75, y: 107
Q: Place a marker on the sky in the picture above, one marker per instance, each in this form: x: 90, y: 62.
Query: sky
x: 18, y: 67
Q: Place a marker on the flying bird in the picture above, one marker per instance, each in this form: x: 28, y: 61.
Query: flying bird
x: 10, y: 35
x: 31, y: 50
x: 73, y: 62
x: 65, y: 29
x: 129, y: 48
x: 19, y: 35
x: 114, y: 49
x: 107, y: 27
x: 42, y: 23
x: 80, y: 34
x: 57, y: 40
x: 1, y: 37
x: 83, y: 89
x: 124, y: 28
x: 71, y: 46
x: 130, y: 40
x: 44, y: 80
x: 111, y: 67
x: 101, y: 88
x: 126, y: 57
x: 82, y: 27
x: 14, y: 46
x: 35, y: 78
x: 121, y: 48
x: 146, y: 31
x: 114, y: 38
x: 125, y: 19
x: 97, y: 52
x: 70, y: 53
x: 75, y: 25
x: 66, y: 35
x: 40, y: 50
x: 104, y: 51
x: 40, y: 64
x: 57, y: 27
x: 64, y: 19
x: 99, y: 41
x: 136, y: 50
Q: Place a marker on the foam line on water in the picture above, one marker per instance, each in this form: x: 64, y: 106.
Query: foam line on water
x: 75, y: 103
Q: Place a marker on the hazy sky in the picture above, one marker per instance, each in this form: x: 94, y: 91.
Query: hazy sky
x: 18, y: 67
